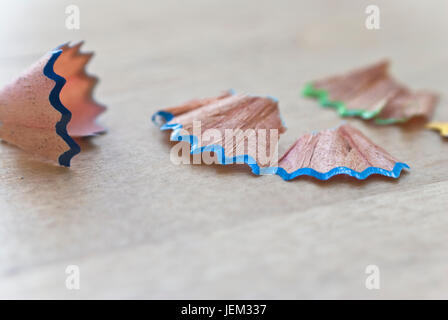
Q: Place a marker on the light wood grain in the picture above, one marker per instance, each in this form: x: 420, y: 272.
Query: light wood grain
x: 140, y: 227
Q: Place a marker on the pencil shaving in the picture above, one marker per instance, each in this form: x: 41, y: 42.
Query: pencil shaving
x: 344, y: 150
x: 49, y: 104
x: 442, y: 127
x: 254, y: 122
x: 371, y: 93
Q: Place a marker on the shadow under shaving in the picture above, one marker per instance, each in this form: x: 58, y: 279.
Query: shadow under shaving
x: 86, y: 144
x: 26, y: 162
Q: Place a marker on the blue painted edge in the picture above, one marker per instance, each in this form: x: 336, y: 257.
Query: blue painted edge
x: 66, y: 115
x: 246, y: 159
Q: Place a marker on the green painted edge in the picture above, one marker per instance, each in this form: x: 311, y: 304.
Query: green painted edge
x: 322, y: 97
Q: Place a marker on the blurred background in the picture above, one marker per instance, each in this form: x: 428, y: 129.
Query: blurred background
x: 140, y: 227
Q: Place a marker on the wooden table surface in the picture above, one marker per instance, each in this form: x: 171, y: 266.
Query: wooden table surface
x: 139, y: 226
